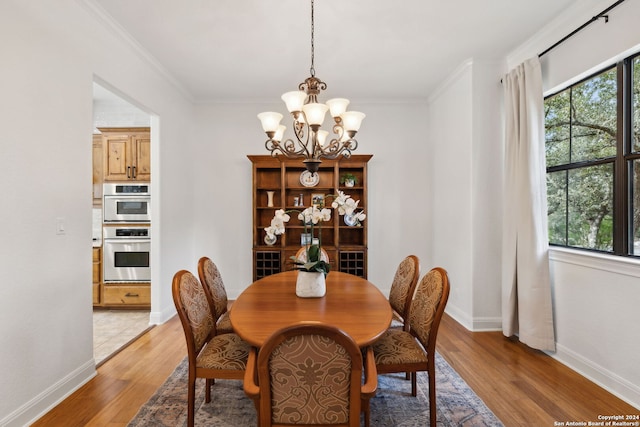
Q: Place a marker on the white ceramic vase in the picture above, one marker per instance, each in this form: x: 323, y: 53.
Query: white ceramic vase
x: 270, y: 198
x: 310, y: 284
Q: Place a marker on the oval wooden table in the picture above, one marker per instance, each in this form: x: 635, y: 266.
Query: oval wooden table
x: 351, y: 303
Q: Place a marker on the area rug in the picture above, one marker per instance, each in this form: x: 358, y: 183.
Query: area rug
x: 393, y: 405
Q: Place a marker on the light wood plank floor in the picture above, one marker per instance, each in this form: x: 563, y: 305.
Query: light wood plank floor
x: 523, y: 387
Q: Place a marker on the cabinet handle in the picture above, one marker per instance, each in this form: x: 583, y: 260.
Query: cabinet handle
x: 128, y: 171
x: 129, y: 294
x: 134, y: 172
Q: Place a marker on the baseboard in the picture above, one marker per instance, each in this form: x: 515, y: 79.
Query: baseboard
x: 49, y: 398
x: 487, y: 324
x: 474, y: 324
x: 606, y: 379
x: 159, y: 317
x: 459, y: 316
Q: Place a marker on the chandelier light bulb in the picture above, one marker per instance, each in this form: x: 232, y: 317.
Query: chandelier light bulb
x: 309, y: 141
x: 351, y: 120
x: 315, y: 112
x: 337, y: 106
x: 322, y: 137
x: 279, y: 133
x: 294, y: 100
x: 270, y: 121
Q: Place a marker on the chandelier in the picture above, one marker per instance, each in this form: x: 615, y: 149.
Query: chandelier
x: 308, y: 115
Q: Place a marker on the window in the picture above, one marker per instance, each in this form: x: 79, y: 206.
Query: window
x: 592, y: 132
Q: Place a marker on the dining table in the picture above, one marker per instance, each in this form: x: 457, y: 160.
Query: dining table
x: 351, y: 303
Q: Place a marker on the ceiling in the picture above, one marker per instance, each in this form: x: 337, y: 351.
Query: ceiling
x: 254, y: 50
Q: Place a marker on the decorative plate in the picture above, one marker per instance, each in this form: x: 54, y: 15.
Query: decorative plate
x: 309, y: 179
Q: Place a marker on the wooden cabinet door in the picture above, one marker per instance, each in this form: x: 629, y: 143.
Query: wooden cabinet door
x: 141, y: 153
x: 117, y: 158
x: 126, y: 154
x: 98, y: 174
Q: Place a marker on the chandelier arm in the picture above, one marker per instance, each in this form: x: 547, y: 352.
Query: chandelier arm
x: 302, y: 133
x: 286, y: 148
x: 335, y: 148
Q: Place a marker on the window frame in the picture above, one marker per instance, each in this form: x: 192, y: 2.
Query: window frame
x: 622, y: 214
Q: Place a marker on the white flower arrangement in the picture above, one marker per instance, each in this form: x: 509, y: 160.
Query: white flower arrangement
x: 314, y: 216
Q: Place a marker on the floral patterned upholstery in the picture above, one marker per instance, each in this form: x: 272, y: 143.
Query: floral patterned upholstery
x: 399, y: 347
x: 310, y: 381
x: 402, y: 288
x: 196, y: 309
x: 212, y: 279
x: 224, y: 352
x: 426, y: 301
x: 412, y: 349
x: 311, y: 374
x: 210, y: 356
x: 301, y: 255
x: 223, y: 325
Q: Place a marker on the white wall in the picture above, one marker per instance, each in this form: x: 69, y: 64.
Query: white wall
x: 466, y: 169
x: 595, y: 297
x: 51, y: 53
x: 450, y: 165
x: 398, y: 212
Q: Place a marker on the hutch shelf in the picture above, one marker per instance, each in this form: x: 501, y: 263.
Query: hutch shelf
x: 280, y: 183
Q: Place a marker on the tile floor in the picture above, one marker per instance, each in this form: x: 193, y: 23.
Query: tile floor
x: 114, y: 329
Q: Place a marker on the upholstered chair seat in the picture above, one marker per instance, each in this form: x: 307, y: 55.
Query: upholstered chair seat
x: 224, y: 352
x: 223, y: 325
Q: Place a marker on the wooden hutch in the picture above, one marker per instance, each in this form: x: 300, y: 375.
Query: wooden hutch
x: 288, y: 180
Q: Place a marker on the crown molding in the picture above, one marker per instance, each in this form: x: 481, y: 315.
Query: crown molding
x: 114, y: 27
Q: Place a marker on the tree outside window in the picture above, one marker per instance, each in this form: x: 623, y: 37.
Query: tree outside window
x: 592, y: 140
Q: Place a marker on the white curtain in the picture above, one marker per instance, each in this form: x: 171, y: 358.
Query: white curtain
x: 526, y: 288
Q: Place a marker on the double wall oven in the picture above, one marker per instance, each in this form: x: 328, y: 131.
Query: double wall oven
x: 126, y: 232
x: 127, y: 202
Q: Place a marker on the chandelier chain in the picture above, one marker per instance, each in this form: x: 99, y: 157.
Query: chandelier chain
x: 312, y: 70
x: 311, y: 142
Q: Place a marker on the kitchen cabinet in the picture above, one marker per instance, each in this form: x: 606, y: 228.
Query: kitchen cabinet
x: 97, y: 275
x: 280, y: 183
x: 98, y: 174
x: 127, y: 295
x: 126, y: 154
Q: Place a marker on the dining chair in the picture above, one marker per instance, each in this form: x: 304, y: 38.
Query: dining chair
x: 216, y: 293
x: 402, y: 289
x: 210, y: 356
x: 400, y: 350
x: 302, y: 254
x: 310, y: 374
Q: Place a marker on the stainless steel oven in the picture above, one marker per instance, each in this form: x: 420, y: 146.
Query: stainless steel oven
x: 126, y: 202
x: 126, y: 254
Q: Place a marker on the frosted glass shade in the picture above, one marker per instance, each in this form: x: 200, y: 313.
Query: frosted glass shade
x: 351, y: 120
x: 315, y: 112
x: 270, y: 120
x: 322, y: 137
x: 294, y: 100
x: 337, y: 106
x: 279, y: 133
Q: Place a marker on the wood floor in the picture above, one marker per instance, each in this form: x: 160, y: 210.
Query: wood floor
x: 523, y: 387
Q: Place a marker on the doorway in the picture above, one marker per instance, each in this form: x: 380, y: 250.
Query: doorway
x: 113, y: 327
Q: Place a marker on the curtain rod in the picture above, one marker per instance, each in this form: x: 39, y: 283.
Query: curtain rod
x: 602, y: 14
